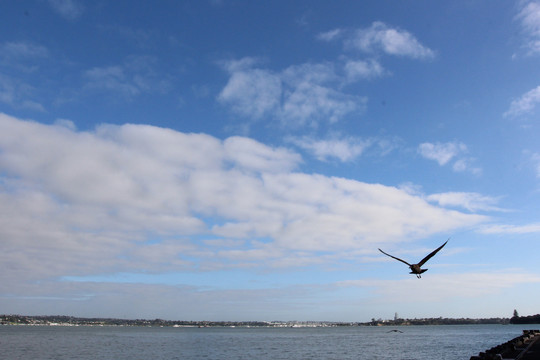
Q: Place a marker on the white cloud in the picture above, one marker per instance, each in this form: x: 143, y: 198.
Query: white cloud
x: 344, y: 149
x: 82, y: 203
x: 441, y: 152
x: 377, y: 39
x: 249, y: 154
x: 362, y: 69
x: 470, y: 201
x: 310, y: 93
x: 245, y: 63
x: 525, y: 104
x: 298, y: 95
x: 65, y: 123
x: 317, y: 74
x: 510, y: 229
x: 69, y: 9
x: 460, y: 165
x: 530, y: 21
x: 252, y: 92
x: 391, y: 41
x: 309, y: 104
x: 466, y: 164
x: 330, y: 35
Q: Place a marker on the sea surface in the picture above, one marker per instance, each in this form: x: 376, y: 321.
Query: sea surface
x: 340, y: 343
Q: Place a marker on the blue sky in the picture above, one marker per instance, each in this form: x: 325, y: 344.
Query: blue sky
x: 244, y: 160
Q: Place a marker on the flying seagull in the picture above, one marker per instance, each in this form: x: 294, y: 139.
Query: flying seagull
x: 417, y: 268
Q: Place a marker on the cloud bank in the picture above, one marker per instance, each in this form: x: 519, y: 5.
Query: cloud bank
x: 138, y: 198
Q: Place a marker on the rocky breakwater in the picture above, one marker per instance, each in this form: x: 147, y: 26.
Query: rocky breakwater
x: 524, y: 347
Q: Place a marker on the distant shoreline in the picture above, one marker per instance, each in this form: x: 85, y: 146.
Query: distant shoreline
x: 62, y: 320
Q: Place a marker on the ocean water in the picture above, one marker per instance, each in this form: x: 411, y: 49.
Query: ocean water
x: 339, y: 343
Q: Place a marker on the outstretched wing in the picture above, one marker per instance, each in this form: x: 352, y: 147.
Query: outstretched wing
x: 393, y: 257
x: 431, y: 254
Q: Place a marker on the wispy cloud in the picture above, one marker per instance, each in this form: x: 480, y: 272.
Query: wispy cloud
x: 344, y: 148
x: 526, y: 104
x: 251, y: 92
x: 21, y: 60
x: 510, y: 229
x: 443, y: 153
x: 123, y: 198
x: 529, y: 16
x: 364, y: 69
x: 22, y: 50
x: 466, y: 164
x: 299, y: 95
x: 18, y: 94
x: 310, y: 93
x: 69, y: 9
x: 468, y: 200
x: 535, y: 158
x: 330, y: 35
x: 22, y: 57
x: 111, y: 78
x: 531, y: 160
x: 250, y: 154
x: 135, y: 76
x: 140, y: 37
x: 310, y: 103
x: 381, y: 38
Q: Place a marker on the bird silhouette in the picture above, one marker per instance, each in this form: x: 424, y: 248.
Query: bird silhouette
x: 417, y: 268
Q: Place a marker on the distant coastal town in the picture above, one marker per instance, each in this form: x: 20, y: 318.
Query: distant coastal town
x: 61, y: 320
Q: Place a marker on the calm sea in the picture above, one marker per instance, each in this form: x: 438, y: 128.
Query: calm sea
x: 415, y: 342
